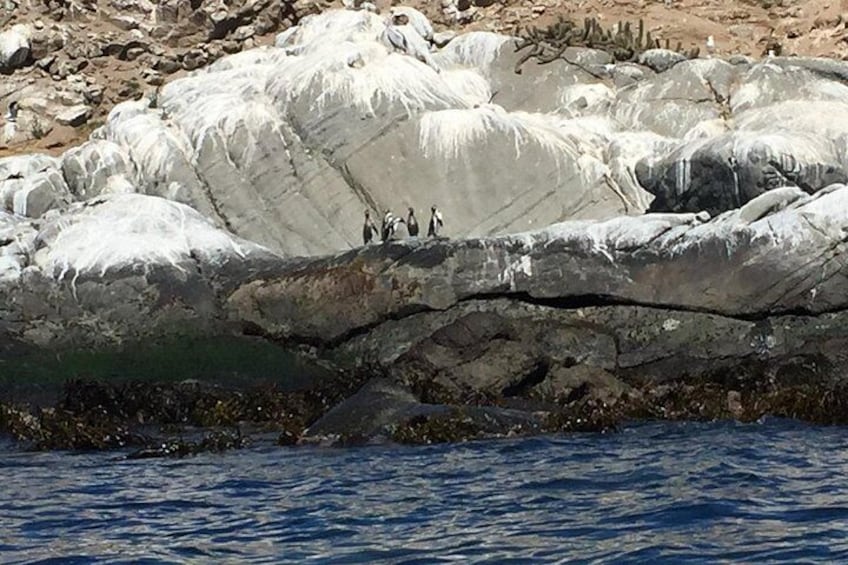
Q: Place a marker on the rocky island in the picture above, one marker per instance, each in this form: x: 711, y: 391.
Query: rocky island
x: 633, y: 231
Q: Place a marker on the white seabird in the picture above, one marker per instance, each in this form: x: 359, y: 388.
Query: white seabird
x: 416, y: 19
x: 387, y: 217
x: 402, y: 37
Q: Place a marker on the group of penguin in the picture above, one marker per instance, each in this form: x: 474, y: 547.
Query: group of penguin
x: 391, y: 223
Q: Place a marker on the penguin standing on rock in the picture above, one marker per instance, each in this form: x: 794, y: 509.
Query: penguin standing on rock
x: 12, y: 114
x: 10, y: 128
x: 391, y: 228
x: 412, y: 224
x: 387, y: 217
x: 436, y: 222
x: 369, y: 230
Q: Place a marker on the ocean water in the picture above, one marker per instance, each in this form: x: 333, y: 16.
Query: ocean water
x: 663, y: 492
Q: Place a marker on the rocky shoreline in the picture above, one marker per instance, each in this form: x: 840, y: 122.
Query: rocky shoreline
x: 143, y: 419
x: 578, y: 327
x: 656, y: 237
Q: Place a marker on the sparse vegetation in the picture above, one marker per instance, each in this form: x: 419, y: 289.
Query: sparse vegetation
x: 37, y: 130
x: 622, y: 42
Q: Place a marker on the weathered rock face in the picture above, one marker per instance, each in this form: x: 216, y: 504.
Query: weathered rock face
x: 754, y: 133
x: 30, y: 186
x: 262, y: 142
x: 591, y: 309
x: 113, y: 266
x: 666, y: 277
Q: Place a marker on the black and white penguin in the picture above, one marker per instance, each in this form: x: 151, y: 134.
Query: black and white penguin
x: 12, y: 114
x: 369, y: 230
x: 391, y: 228
x: 412, y: 224
x: 387, y: 217
x: 10, y: 126
x: 436, y: 222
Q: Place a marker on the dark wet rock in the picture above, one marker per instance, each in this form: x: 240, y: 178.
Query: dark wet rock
x: 97, y: 414
x: 369, y: 412
x: 54, y: 428
x: 215, y: 442
x: 588, y: 415
x: 385, y: 409
x: 466, y: 423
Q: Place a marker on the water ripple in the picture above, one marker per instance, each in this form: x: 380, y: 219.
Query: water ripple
x: 666, y: 492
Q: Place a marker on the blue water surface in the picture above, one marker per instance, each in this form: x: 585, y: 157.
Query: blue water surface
x: 662, y: 492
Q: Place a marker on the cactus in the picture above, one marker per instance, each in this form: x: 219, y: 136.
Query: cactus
x: 549, y: 44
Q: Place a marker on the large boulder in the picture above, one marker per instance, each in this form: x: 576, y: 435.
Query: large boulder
x: 777, y: 125
x: 14, y: 47
x: 779, y: 253
x: 30, y: 185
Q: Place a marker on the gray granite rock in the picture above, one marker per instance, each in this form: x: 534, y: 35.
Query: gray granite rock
x: 660, y: 60
x: 229, y: 204
x: 287, y: 146
x: 31, y: 185
x: 14, y: 47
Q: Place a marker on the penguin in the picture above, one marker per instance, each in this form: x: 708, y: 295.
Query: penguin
x: 12, y: 115
x: 391, y: 228
x: 412, y: 224
x: 369, y: 230
x: 436, y: 222
x: 10, y: 128
x: 387, y: 217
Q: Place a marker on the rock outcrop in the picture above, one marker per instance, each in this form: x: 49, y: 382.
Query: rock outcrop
x: 591, y: 307
x: 262, y: 142
x: 14, y: 47
x: 654, y: 295
x: 227, y: 204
